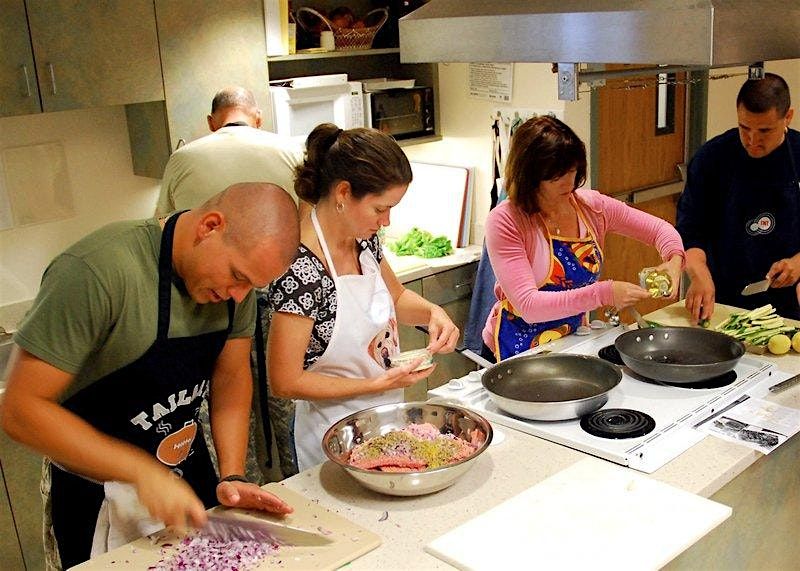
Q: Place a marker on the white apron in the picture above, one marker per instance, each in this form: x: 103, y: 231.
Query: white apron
x: 364, y: 335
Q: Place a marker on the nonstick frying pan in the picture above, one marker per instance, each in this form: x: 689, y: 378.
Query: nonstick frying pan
x: 679, y: 354
x: 551, y: 387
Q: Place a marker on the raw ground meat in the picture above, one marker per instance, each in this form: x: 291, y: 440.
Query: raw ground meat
x: 415, y: 448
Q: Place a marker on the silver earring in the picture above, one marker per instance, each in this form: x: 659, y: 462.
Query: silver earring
x: 339, y: 207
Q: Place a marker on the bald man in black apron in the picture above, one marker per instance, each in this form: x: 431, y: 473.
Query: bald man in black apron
x: 133, y: 327
x: 739, y: 214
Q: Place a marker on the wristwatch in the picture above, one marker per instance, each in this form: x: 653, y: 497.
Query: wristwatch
x: 234, y: 478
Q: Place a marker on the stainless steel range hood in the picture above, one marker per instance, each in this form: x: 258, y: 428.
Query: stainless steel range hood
x: 713, y: 33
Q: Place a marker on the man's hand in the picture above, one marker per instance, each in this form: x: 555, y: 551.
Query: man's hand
x: 250, y: 496
x: 700, y: 296
x: 169, y: 498
x: 785, y: 272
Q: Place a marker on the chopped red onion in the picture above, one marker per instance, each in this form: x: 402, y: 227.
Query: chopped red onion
x: 200, y: 552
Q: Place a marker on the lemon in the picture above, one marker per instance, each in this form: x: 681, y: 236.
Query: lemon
x: 796, y: 342
x: 779, y: 344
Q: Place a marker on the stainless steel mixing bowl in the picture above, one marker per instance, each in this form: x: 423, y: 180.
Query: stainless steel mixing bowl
x: 376, y: 421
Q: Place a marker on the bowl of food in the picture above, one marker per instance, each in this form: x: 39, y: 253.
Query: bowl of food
x: 408, y: 449
x: 408, y: 357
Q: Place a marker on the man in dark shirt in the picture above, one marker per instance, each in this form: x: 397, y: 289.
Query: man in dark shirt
x: 739, y: 214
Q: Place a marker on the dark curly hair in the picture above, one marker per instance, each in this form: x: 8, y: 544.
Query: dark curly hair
x: 371, y: 161
x: 543, y: 148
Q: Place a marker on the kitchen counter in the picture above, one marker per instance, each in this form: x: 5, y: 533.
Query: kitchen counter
x: 516, y: 461
x: 409, y: 268
x: 520, y: 461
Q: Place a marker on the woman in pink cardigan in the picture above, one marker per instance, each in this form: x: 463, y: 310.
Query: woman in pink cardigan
x: 546, y: 241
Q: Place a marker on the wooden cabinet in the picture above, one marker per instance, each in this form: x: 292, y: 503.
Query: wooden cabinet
x: 87, y: 54
x: 452, y: 290
x: 21, y: 470
x: 10, y: 550
x: 19, y: 91
x: 205, y: 45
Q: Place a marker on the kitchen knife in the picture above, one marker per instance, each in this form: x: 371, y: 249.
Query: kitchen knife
x: 756, y: 287
x: 230, y: 527
x: 783, y: 385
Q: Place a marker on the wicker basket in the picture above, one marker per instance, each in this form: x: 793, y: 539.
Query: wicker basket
x: 346, y: 38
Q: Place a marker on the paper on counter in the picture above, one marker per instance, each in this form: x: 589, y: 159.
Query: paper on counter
x: 755, y: 423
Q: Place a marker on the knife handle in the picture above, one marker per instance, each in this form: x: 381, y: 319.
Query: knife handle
x: 783, y: 385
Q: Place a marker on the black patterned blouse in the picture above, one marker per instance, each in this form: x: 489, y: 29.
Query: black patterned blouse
x: 307, y: 289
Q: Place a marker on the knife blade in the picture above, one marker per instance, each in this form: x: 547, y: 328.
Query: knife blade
x: 230, y: 527
x: 783, y: 385
x: 756, y: 287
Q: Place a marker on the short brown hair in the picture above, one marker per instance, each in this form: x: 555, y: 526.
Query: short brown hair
x: 543, y: 148
x: 761, y: 95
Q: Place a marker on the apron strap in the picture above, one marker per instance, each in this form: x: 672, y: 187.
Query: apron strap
x: 323, y: 243
x: 165, y: 280
x: 165, y: 275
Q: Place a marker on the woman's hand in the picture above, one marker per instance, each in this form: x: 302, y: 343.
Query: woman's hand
x: 443, y: 332
x: 249, y: 496
x: 402, y: 377
x: 673, y: 267
x: 627, y: 294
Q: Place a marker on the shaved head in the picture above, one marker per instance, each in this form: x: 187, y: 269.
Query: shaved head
x: 234, y: 104
x: 257, y: 213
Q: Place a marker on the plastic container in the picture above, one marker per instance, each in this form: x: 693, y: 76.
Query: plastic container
x: 407, y: 357
x: 657, y: 282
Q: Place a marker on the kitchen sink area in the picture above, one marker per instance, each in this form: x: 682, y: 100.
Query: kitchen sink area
x: 20, y: 502
x: 6, y: 344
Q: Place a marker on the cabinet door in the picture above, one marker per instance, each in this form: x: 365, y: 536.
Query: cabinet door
x: 10, y: 552
x: 452, y: 290
x: 410, y: 339
x: 22, y: 470
x: 207, y: 45
x: 91, y: 54
x: 19, y: 92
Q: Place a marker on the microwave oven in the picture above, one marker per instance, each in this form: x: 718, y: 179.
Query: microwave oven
x: 299, y: 104
x: 404, y: 112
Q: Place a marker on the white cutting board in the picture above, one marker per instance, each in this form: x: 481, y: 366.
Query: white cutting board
x: 592, y: 515
x: 436, y: 201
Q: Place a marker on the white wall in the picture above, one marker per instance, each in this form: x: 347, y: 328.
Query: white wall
x: 722, y: 93
x: 466, y: 124
x: 104, y: 188
x: 103, y: 185
x: 466, y: 121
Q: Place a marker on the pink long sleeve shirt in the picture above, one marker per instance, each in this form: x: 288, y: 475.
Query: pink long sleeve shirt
x: 519, y: 250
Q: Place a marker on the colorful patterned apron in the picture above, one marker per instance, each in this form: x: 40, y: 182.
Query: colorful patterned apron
x: 574, y: 263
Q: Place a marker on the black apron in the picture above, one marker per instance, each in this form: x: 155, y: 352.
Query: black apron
x: 762, y: 218
x: 152, y: 403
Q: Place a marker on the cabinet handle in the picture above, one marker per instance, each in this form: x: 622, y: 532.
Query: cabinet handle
x: 181, y: 142
x: 52, y: 77
x: 27, y: 80
x: 463, y: 284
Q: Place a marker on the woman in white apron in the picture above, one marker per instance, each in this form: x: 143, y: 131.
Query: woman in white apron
x: 335, y: 312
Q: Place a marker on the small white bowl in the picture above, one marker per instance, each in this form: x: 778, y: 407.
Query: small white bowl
x: 408, y: 357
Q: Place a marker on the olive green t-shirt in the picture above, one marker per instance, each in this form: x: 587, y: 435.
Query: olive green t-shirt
x: 97, y: 308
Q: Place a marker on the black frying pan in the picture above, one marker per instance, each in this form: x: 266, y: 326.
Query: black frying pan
x: 679, y: 354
